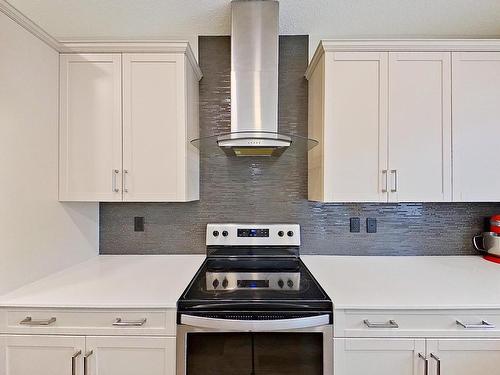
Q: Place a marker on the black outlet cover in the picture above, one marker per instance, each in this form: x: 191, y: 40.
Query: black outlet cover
x: 371, y: 225
x: 139, y: 224
x: 355, y: 223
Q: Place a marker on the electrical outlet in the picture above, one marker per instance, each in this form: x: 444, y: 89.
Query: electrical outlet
x: 371, y: 225
x: 139, y: 224
x: 355, y: 223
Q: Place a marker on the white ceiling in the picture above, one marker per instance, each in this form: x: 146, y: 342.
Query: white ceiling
x: 186, y: 19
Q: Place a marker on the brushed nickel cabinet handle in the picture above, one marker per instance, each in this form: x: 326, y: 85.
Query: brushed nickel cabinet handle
x: 73, y: 361
x: 394, y: 172
x: 129, y: 323
x: 426, y: 364
x: 384, y: 178
x: 438, y: 363
x: 483, y: 325
x: 125, y: 173
x: 86, y: 362
x: 389, y: 324
x: 28, y: 321
x: 113, y: 180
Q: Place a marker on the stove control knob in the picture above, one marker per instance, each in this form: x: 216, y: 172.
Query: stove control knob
x: 215, y: 283
x: 281, y: 283
x: 215, y: 233
x: 289, y: 233
x: 224, y: 233
x: 290, y: 283
x: 225, y: 283
x: 281, y: 233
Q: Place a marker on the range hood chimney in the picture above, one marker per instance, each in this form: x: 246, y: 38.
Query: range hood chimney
x: 254, y: 82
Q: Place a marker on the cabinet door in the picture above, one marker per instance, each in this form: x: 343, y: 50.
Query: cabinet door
x: 90, y: 129
x: 465, y: 356
x: 419, y: 127
x: 379, y: 356
x: 476, y: 126
x: 41, y: 355
x: 131, y: 355
x: 154, y: 125
x: 355, y: 130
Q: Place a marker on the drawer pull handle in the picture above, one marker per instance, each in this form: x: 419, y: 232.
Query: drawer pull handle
x: 438, y: 363
x: 129, y: 323
x: 482, y: 325
x: 86, y: 362
x: 73, y: 362
x: 426, y: 365
x: 30, y: 322
x: 389, y: 324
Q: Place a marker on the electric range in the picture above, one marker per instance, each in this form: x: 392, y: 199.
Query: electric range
x: 252, y: 297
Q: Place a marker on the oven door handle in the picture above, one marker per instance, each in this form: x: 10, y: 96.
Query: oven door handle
x: 255, y: 325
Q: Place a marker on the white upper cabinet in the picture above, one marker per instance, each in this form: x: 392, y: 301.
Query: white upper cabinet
x: 90, y: 127
x: 348, y: 115
x: 147, y: 157
x: 419, y: 127
x: 156, y: 149
x: 476, y: 126
x: 384, y: 125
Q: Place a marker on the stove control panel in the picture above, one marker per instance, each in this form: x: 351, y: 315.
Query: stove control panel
x: 253, y: 280
x: 253, y: 235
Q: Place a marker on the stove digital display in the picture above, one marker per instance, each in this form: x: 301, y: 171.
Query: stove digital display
x: 253, y: 283
x: 253, y: 232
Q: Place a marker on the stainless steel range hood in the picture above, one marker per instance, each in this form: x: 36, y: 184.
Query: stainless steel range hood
x: 254, y: 82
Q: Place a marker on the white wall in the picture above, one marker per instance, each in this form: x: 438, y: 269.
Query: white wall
x: 38, y: 235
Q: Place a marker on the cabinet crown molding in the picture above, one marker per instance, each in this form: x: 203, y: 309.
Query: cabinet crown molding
x: 401, y: 45
x: 139, y: 46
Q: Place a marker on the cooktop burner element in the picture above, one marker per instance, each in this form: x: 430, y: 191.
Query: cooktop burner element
x: 253, y: 267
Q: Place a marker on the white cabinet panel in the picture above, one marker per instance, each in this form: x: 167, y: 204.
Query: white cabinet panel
x: 354, y: 142
x: 379, y: 356
x: 40, y: 355
x: 419, y: 127
x: 90, y: 128
x: 465, y: 357
x: 154, y: 137
x: 131, y: 355
x: 476, y: 126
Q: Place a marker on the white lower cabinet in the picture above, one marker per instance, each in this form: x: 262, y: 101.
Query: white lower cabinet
x: 41, y: 355
x: 130, y: 355
x: 379, y: 356
x: 395, y: 356
x: 91, y: 355
x: 464, y: 356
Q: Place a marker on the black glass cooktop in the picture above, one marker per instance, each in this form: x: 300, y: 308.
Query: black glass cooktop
x: 307, y: 294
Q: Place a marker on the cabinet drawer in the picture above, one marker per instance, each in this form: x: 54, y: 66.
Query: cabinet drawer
x: 108, y: 322
x: 416, y: 323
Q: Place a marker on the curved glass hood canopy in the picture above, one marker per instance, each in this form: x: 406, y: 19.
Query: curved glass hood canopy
x: 254, y: 84
x: 252, y: 143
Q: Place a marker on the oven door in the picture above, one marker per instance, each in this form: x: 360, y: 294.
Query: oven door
x: 299, y: 346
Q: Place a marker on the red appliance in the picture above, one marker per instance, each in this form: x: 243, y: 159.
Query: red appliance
x: 495, y: 224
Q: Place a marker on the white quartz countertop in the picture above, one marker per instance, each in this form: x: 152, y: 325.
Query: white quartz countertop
x: 157, y: 281
x: 112, y: 281
x: 408, y: 282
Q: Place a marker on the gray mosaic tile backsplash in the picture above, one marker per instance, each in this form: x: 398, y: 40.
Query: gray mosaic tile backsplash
x: 275, y: 190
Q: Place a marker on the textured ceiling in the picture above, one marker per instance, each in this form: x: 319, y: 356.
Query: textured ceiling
x: 186, y: 19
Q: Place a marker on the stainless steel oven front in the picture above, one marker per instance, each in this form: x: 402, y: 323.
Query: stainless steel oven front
x: 237, y: 346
